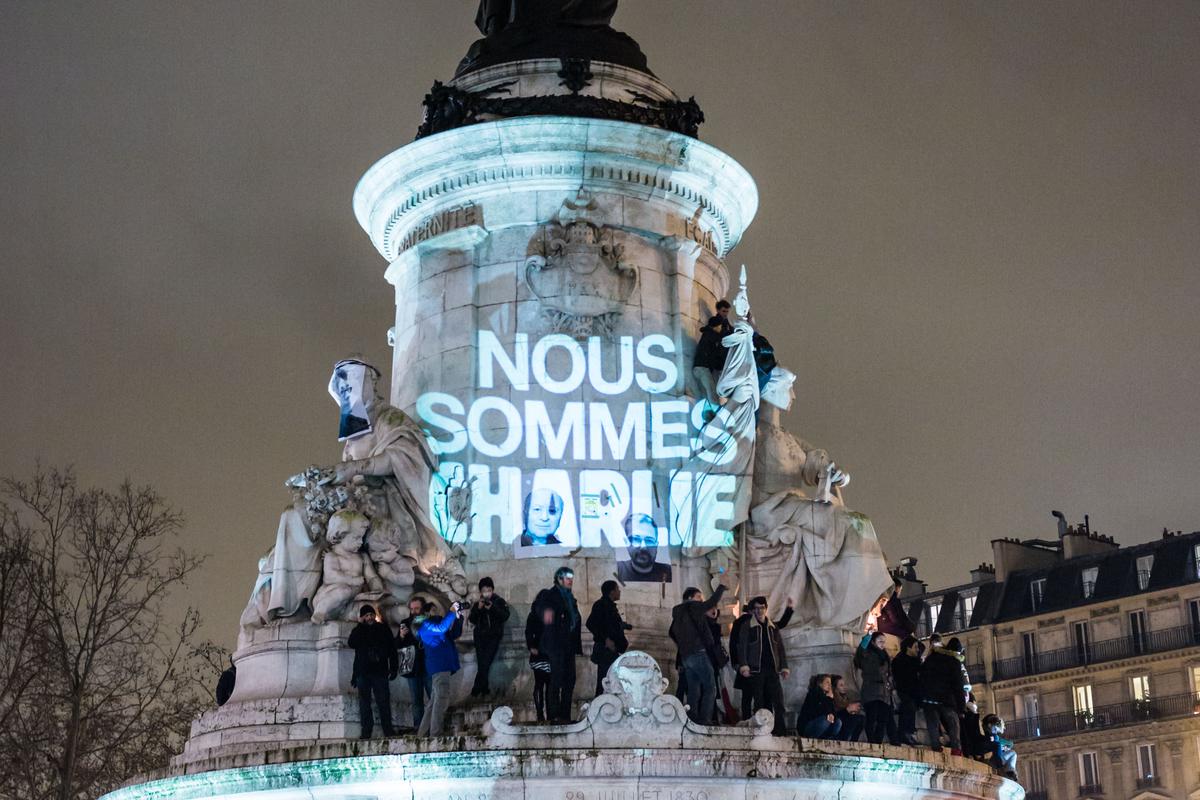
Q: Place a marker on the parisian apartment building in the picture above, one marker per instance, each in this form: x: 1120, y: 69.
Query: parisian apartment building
x: 1090, y: 652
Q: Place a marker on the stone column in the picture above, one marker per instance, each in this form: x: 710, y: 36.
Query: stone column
x: 1116, y: 757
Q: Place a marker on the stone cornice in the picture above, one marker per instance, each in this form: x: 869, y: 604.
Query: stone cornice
x: 559, y: 154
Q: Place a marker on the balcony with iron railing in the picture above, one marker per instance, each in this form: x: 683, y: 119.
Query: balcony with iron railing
x: 1146, y: 783
x: 1037, y: 794
x: 1132, y: 712
x: 1083, y: 654
x: 1090, y: 790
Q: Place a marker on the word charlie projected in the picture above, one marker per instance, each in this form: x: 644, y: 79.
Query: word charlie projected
x: 554, y: 473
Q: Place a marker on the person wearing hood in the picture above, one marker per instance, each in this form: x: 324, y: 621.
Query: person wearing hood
x: 944, y: 688
x: 437, y: 635
x: 878, y: 688
x: 762, y: 662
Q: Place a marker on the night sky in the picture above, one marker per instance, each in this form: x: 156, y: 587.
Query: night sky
x: 977, y: 246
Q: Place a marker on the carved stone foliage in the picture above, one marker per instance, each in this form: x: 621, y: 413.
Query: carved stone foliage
x: 577, y: 273
x: 576, y: 74
x: 447, y: 107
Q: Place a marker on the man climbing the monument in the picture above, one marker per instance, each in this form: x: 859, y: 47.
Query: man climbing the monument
x: 710, y: 355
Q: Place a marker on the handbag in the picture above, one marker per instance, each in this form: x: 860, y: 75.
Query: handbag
x: 408, y: 660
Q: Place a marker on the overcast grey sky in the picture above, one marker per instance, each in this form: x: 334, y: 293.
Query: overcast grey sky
x: 977, y: 245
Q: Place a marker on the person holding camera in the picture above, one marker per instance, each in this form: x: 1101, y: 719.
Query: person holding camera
x: 374, y: 665
x: 608, y: 631
x: 487, y: 618
x: 437, y: 635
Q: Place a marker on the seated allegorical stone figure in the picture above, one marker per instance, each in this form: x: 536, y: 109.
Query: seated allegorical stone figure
x: 812, y: 549
x: 384, y: 475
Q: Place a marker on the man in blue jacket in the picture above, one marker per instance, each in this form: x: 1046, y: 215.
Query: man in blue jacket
x: 437, y: 635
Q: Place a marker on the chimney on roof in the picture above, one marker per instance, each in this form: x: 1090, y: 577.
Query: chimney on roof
x: 1062, y: 522
x: 983, y: 573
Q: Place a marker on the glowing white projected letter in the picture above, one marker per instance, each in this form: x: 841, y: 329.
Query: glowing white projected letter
x: 602, y: 429
x: 449, y: 473
x: 541, y: 429
x: 513, y: 428
x: 682, y: 502
x: 503, y: 504
x: 603, y: 505
x: 713, y: 513
x: 458, y: 433
x: 660, y: 429
x: 595, y: 361
x: 651, y: 361
x: 715, y: 445
x: 516, y: 369
x: 574, y: 378
x: 559, y: 482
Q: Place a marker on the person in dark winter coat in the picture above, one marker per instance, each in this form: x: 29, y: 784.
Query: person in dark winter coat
x: 560, y: 641
x: 739, y: 682
x: 419, y: 685
x: 974, y: 743
x: 944, y: 688
x: 538, y: 662
x: 375, y: 663
x: 488, y: 615
x: 690, y: 631
x: 818, y: 716
x: 906, y: 667
x: 878, y: 689
x: 762, y: 662
x: 608, y: 631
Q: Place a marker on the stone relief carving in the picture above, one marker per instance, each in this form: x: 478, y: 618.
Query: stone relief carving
x: 577, y: 272
x: 358, y: 530
x: 633, y: 709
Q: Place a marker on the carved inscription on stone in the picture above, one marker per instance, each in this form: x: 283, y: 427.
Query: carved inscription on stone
x: 698, y: 234
x: 451, y: 219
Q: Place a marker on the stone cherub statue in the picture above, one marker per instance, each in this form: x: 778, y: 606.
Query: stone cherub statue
x: 381, y: 487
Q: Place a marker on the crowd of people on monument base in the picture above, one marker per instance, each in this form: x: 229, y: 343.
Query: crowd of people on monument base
x: 927, y: 677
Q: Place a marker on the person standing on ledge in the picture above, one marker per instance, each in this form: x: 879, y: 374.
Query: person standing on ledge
x: 762, y: 663
x: 740, y: 682
x: 560, y: 641
x: 710, y: 356
x: 689, y: 629
x: 375, y: 663
x: 608, y: 630
x: 487, y: 618
x: 441, y: 661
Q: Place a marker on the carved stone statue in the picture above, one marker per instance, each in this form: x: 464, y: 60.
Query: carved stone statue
x: 814, y: 550
x: 379, y: 492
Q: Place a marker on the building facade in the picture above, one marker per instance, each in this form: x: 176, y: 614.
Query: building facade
x: 1090, y: 652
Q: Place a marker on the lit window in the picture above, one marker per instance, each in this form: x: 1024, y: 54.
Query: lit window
x: 1089, y: 770
x: 1196, y: 561
x: 1037, y: 591
x: 1194, y: 672
x: 1089, y: 582
x: 1147, y: 763
x: 932, y: 611
x: 1139, y: 688
x: 966, y: 608
x: 1083, y: 700
x: 1144, y: 565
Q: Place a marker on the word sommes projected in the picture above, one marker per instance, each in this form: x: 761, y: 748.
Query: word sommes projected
x: 538, y: 429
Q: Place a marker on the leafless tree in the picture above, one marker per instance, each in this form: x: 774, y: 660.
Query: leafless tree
x: 100, y: 679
